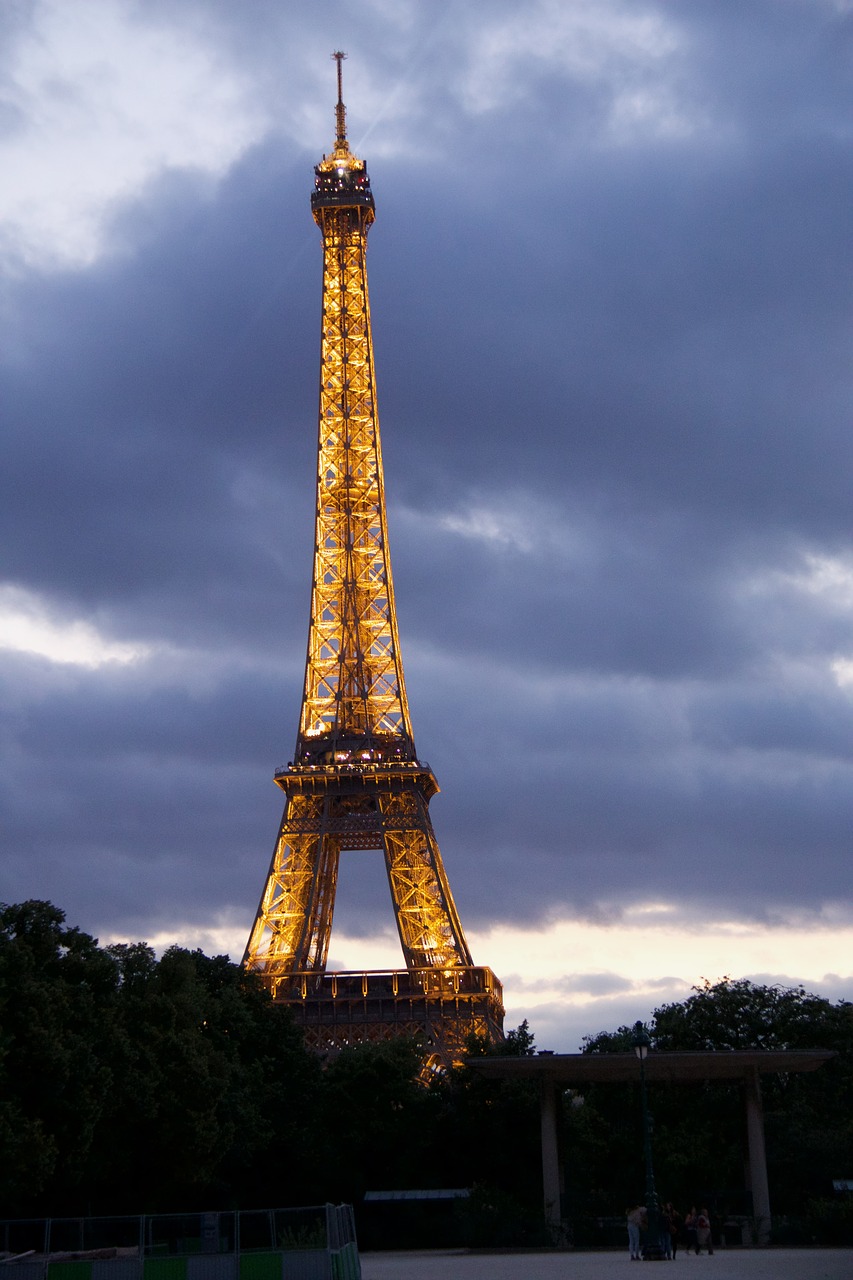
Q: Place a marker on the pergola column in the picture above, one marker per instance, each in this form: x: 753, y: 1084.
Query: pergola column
x: 757, y: 1154
x: 550, y: 1158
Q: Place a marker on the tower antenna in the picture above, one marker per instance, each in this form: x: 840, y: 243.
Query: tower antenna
x: 340, y: 109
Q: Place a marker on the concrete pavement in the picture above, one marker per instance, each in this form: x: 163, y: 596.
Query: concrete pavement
x: 729, y: 1264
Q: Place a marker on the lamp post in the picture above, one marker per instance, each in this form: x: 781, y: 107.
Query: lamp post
x: 653, y: 1250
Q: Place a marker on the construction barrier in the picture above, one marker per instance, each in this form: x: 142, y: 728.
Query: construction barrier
x: 315, y: 1243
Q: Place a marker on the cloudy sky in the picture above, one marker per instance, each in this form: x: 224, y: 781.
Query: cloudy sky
x: 611, y: 291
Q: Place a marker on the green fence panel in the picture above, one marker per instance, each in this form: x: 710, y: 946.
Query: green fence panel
x: 163, y: 1269
x: 69, y: 1271
x: 260, y: 1266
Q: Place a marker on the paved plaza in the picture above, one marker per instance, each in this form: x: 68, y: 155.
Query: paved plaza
x: 730, y: 1264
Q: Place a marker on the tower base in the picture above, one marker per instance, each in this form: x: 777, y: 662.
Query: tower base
x: 437, y: 1008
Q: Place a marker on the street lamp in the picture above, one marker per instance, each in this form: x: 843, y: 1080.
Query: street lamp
x: 653, y: 1250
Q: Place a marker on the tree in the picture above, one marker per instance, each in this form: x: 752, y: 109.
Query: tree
x: 128, y: 1083
x: 489, y: 1129
x: 57, y: 1001
x: 215, y: 1083
x: 699, y: 1138
x: 377, y: 1128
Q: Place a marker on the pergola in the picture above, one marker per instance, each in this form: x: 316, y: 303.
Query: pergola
x: 568, y: 1069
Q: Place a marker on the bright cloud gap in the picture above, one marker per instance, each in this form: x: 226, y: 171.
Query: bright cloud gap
x: 26, y: 626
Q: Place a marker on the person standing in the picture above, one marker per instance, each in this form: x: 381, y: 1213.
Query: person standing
x: 703, y: 1232
x: 665, y: 1223
x: 635, y: 1217
x: 675, y: 1225
x: 690, y: 1230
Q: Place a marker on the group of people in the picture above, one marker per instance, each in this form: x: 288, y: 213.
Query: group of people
x: 693, y: 1231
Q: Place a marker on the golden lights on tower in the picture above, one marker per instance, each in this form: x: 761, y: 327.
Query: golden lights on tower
x: 356, y: 781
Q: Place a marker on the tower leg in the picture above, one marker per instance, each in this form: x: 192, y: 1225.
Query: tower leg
x: 294, y: 921
x: 430, y: 933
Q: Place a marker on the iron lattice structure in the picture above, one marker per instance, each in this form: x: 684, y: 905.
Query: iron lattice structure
x: 356, y: 781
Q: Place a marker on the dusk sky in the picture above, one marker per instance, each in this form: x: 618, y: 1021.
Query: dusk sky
x: 611, y: 292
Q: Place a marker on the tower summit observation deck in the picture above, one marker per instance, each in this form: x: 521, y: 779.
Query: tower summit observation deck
x: 356, y: 781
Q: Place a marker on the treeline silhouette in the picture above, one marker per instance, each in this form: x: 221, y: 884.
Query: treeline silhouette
x: 135, y: 1084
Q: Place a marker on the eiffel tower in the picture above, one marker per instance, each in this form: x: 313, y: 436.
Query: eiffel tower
x: 355, y: 781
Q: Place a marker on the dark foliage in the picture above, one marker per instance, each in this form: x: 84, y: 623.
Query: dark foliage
x: 132, y: 1084
x: 699, y: 1140
x: 128, y: 1083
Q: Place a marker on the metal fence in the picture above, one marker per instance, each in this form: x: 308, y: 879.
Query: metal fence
x: 314, y: 1243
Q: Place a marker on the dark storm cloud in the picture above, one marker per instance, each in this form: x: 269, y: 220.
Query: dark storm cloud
x: 613, y: 366
x: 596, y: 776
x: 159, y: 457
x: 664, y: 310
x: 149, y: 795
x: 677, y: 371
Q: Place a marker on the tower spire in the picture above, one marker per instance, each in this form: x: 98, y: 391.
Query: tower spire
x: 340, y: 109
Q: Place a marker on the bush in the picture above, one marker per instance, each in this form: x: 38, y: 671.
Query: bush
x: 491, y: 1219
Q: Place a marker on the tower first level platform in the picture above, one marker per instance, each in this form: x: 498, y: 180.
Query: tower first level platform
x: 356, y: 781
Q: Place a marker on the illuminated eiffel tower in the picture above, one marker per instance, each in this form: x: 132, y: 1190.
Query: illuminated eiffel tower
x: 356, y: 781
